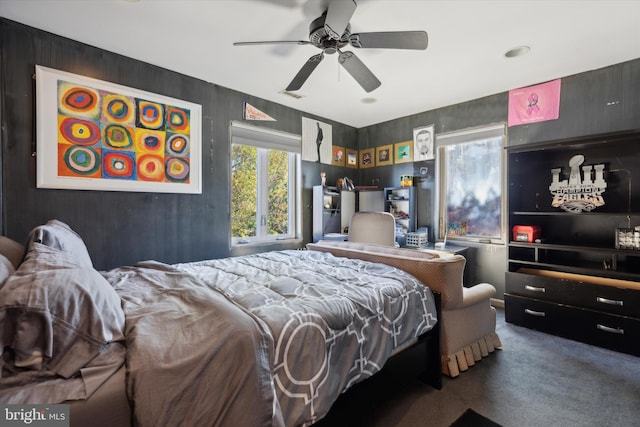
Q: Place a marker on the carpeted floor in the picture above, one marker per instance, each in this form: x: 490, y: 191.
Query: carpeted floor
x: 536, y: 380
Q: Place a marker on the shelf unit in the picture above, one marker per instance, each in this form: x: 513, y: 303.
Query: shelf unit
x: 573, y: 281
x: 332, y: 211
x: 401, y: 202
x: 584, y: 251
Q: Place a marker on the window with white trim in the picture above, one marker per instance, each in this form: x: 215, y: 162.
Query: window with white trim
x: 265, y: 184
x: 471, y: 174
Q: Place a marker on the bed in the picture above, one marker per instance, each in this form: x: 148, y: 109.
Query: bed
x: 266, y: 339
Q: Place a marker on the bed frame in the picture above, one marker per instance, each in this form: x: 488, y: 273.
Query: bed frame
x: 422, y: 359
x: 433, y: 373
x: 109, y: 405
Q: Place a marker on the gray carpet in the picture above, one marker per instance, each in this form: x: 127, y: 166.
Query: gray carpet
x: 536, y: 380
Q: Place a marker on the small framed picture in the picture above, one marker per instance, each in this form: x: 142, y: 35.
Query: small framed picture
x: 337, y: 156
x: 352, y: 158
x: 403, y: 152
x: 367, y: 159
x: 423, y: 143
x: 384, y: 155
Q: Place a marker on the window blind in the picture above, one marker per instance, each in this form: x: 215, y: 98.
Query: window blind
x: 466, y: 135
x: 256, y: 136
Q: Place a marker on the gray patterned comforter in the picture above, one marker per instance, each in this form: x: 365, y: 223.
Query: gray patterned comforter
x: 266, y: 339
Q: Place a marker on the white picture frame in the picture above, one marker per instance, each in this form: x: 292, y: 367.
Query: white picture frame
x: 316, y: 141
x: 423, y: 143
x: 96, y: 135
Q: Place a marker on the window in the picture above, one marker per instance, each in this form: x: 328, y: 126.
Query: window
x: 471, y: 192
x: 265, y: 184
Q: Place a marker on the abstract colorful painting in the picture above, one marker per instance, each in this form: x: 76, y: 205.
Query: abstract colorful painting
x: 95, y: 135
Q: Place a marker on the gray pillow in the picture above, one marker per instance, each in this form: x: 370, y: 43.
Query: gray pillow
x: 59, y: 235
x: 56, y: 313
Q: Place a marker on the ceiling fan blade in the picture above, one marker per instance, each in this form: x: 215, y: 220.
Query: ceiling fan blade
x: 339, y: 14
x: 359, y: 71
x: 305, y: 72
x: 417, y: 40
x: 300, y: 42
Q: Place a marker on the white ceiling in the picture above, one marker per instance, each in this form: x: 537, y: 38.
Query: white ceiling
x: 465, y: 58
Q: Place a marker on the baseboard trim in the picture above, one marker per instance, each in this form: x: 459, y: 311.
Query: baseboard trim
x: 498, y: 303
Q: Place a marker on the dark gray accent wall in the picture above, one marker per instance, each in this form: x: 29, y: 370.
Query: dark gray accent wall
x: 595, y: 102
x: 485, y: 262
x: 599, y: 101
x: 121, y: 228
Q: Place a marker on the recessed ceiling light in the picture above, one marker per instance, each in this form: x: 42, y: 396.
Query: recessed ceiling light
x: 517, y: 51
x: 368, y: 100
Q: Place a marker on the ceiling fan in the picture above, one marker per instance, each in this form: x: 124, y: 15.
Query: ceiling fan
x: 331, y: 32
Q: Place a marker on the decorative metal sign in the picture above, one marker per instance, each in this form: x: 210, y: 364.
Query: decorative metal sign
x: 581, y: 192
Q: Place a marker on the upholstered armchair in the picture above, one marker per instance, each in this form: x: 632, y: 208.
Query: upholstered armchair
x: 467, y: 320
x: 373, y: 227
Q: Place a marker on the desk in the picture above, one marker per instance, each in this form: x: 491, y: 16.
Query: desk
x: 450, y: 249
x: 335, y: 236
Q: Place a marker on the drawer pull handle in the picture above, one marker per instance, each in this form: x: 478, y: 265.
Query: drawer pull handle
x: 535, y: 313
x: 535, y: 289
x: 609, y: 301
x: 610, y: 329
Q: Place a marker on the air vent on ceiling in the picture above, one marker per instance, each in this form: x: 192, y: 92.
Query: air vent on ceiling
x: 291, y: 94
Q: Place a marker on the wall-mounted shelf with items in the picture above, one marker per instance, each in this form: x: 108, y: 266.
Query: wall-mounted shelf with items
x: 571, y: 276
x: 579, y: 243
x: 401, y: 202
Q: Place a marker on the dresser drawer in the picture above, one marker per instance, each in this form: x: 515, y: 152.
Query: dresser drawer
x: 619, y: 333
x: 536, y: 314
x: 540, y: 287
x: 610, y: 299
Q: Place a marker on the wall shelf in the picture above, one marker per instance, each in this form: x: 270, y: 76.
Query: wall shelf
x: 401, y: 202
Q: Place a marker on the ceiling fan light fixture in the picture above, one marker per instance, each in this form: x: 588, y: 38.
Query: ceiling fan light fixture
x: 332, y: 31
x: 517, y: 51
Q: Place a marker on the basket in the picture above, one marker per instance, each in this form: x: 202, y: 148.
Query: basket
x: 628, y: 238
x: 417, y: 240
